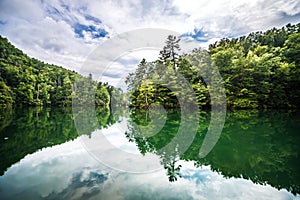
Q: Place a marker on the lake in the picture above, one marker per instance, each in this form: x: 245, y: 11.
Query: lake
x: 125, y: 154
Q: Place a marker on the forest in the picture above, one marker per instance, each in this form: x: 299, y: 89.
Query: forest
x: 26, y: 81
x: 259, y: 71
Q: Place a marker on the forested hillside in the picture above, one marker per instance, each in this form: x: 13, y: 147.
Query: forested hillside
x: 26, y: 81
x: 259, y: 71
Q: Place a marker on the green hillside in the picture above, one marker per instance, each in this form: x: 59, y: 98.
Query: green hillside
x: 26, y: 81
x: 259, y: 71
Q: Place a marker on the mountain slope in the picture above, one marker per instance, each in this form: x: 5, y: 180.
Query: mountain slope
x: 26, y: 81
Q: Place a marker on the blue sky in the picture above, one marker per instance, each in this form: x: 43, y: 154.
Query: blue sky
x: 65, y: 32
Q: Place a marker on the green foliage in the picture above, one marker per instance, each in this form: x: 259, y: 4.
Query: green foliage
x: 160, y: 82
x: 259, y: 71
x: 169, y: 54
x: 292, y: 48
x: 262, y: 69
x: 26, y: 81
x: 6, y: 95
x: 102, y: 95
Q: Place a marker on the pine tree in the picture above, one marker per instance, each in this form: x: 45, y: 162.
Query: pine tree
x: 169, y: 54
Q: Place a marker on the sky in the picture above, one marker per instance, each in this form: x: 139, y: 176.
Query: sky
x: 66, y: 32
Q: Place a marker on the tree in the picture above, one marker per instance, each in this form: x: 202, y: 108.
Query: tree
x: 259, y: 71
x: 169, y: 54
x: 292, y: 48
x: 30, y: 82
x: 6, y: 95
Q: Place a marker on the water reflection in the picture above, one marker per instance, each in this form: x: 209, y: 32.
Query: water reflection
x: 255, y: 147
x: 260, y: 146
x: 68, y: 172
x: 80, y: 181
x: 25, y: 131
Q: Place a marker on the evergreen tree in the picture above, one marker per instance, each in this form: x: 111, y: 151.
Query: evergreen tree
x: 169, y: 54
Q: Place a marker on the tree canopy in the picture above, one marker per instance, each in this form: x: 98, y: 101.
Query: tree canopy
x: 259, y: 71
x: 26, y: 81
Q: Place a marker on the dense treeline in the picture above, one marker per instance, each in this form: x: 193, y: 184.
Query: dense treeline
x: 260, y: 70
x: 26, y: 81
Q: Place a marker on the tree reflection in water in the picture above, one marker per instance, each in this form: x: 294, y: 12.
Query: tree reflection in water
x: 256, y: 145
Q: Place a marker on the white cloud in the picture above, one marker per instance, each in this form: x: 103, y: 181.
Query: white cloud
x: 232, y: 18
x: 118, y: 70
x: 14, y: 9
x: 65, y: 171
x: 46, y: 29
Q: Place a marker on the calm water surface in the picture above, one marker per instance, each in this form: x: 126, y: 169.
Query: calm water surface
x: 44, y: 157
